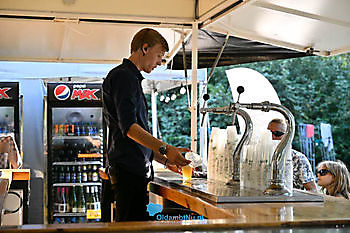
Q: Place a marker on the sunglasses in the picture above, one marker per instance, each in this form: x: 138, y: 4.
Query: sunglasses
x: 277, y: 133
x: 323, y: 172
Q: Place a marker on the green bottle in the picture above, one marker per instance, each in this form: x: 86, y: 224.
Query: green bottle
x: 75, y: 202
x: 81, y: 200
x: 89, y: 199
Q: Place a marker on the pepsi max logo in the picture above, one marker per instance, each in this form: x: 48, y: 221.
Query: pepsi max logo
x: 61, y: 92
x: 3, y: 93
x: 84, y: 94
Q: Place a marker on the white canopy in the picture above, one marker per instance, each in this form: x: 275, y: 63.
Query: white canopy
x: 100, y: 31
x: 319, y: 27
x: 91, y: 31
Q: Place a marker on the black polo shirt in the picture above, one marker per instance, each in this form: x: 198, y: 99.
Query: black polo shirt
x: 123, y: 105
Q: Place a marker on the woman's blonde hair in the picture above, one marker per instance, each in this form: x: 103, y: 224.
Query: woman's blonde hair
x: 341, y: 183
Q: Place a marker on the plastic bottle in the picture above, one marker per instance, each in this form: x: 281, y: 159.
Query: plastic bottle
x: 77, y: 131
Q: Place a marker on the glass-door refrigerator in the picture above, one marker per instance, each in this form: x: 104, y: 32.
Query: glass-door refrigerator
x: 75, y: 133
x: 9, y: 110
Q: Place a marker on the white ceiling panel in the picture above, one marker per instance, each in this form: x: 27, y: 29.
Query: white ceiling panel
x: 322, y: 25
x: 168, y: 11
x: 40, y: 40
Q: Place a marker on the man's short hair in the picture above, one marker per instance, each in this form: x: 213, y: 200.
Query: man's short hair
x: 150, y: 37
x: 277, y: 120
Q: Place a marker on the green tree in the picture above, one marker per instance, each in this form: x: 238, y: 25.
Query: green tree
x: 315, y: 89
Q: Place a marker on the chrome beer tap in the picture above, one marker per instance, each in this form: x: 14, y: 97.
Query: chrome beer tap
x: 233, y: 110
x: 277, y: 185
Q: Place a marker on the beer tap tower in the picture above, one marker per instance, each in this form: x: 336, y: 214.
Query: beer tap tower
x: 277, y: 184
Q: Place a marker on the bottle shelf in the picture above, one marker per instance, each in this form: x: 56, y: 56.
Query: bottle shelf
x: 77, y: 184
x: 58, y: 137
x: 69, y: 214
x: 73, y: 163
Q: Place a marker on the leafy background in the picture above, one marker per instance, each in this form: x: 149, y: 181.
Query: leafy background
x: 315, y: 89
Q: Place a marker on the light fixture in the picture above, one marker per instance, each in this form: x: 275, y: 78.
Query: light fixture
x: 167, y: 99
x: 161, y: 98
x: 173, y: 96
x: 182, y: 90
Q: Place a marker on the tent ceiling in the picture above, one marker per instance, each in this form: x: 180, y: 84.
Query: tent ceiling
x: 100, y: 31
x: 57, y: 41
x: 319, y: 26
x: 237, y: 51
x: 154, y: 12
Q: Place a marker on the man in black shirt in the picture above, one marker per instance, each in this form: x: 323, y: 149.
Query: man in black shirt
x: 131, y: 148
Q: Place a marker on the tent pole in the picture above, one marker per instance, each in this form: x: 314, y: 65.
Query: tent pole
x: 154, y: 113
x: 203, y: 130
x: 194, y: 87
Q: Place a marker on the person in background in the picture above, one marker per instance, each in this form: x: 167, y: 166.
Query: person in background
x: 9, y: 153
x: 131, y: 148
x: 334, y: 178
x: 303, y: 178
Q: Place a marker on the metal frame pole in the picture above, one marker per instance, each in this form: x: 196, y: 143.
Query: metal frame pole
x: 194, y: 87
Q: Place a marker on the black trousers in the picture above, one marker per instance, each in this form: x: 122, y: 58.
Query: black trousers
x: 131, y: 196
x: 107, y: 200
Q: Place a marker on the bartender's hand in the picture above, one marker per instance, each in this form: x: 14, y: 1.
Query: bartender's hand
x: 175, y: 157
x: 174, y: 168
x: 102, y: 173
x: 141, y: 136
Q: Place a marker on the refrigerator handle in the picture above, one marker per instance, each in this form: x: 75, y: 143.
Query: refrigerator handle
x: 21, y: 127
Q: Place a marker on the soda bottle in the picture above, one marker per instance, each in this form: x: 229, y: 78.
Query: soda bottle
x: 56, y: 129
x: 81, y: 200
x: 63, y: 204
x: 61, y: 175
x: 61, y: 129
x: 97, y: 198
x: 79, y: 175
x: 67, y: 200
x: 73, y: 175
x: 89, y: 170
x: 72, y: 129
x: 57, y: 201
x: 89, y: 129
x: 67, y: 177
x: 54, y: 174
x: 84, y: 174
x: 89, y: 200
x: 95, y: 177
x: 75, y: 201
x: 77, y: 131
x: 66, y: 126
x: 82, y: 129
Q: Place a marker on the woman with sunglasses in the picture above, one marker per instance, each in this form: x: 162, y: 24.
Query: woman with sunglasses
x: 334, y: 178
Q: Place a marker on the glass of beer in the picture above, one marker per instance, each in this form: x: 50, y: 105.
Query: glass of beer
x: 187, y: 173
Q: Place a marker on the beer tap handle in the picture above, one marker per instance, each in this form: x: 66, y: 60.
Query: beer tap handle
x: 205, y: 97
x: 240, y: 90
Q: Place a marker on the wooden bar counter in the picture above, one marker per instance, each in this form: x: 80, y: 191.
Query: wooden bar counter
x: 16, y: 179
x: 331, y: 210
x: 330, y: 215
